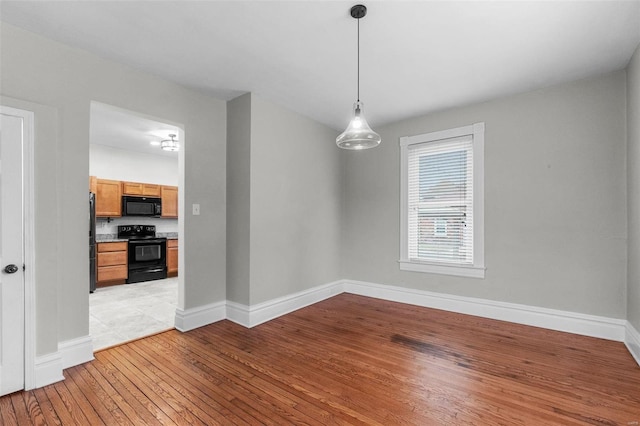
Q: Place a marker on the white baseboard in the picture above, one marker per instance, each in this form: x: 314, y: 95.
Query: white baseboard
x: 571, y: 322
x: 48, y: 369
x: 632, y: 340
x: 190, y: 319
x: 76, y: 351
x: 239, y: 313
x: 553, y: 319
x: 250, y: 316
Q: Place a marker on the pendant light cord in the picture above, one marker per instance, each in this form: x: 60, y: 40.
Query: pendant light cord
x: 358, y: 59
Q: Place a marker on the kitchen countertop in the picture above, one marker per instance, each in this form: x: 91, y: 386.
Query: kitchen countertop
x: 113, y: 238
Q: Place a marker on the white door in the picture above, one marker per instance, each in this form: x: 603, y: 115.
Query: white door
x: 11, y: 251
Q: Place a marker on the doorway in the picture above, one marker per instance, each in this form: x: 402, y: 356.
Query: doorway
x: 127, y: 161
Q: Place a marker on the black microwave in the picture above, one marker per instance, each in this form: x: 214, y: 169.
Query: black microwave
x: 141, y: 206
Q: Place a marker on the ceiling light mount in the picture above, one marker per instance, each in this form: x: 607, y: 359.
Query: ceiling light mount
x: 359, y: 11
x: 170, y: 144
x: 358, y: 134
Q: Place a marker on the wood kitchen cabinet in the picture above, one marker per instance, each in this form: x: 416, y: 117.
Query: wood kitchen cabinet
x: 108, y: 197
x: 169, y: 195
x: 172, y: 258
x: 112, y: 263
x: 141, y: 189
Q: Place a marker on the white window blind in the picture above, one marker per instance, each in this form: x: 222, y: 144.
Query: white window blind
x: 440, y: 201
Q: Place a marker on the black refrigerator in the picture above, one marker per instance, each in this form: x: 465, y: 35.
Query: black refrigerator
x: 92, y: 242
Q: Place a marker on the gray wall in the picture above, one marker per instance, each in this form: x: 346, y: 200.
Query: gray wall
x: 41, y: 71
x: 555, y: 197
x: 47, y: 251
x: 295, y: 202
x: 292, y: 178
x: 633, y: 182
x: 238, y: 202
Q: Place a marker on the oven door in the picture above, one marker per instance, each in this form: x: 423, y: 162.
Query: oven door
x: 147, y: 252
x: 147, y: 260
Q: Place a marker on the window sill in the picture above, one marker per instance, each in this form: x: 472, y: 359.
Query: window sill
x: 456, y: 270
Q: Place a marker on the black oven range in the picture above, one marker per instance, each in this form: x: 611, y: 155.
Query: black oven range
x: 147, y: 256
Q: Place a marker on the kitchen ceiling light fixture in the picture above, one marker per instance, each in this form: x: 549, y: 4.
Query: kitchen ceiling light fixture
x: 358, y: 134
x: 170, y: 144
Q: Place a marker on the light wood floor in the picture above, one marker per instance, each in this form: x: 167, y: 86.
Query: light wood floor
x: 347, y: 360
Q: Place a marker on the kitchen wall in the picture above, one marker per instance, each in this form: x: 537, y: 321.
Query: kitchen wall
x: 66, y: 80
x: 555, y: 200
x: 633, y: 181
x: 104, y: 226
x: 285, y: 191
x: 107, y: 162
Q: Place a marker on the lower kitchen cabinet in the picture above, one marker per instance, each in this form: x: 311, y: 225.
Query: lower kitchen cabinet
x: 172, y: 258
x: 112, y: 263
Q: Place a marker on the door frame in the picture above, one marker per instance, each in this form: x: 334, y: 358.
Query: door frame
x: 28, y: 215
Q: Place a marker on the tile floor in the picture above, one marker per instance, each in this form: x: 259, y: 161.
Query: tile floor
x: 124, y: 312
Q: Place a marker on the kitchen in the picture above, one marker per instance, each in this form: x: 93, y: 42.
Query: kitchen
x: 133, y: 186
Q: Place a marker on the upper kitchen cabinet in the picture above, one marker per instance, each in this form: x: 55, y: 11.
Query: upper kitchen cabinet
x: 108, y: 198
x: 141, y: 189
x: 169, y: 195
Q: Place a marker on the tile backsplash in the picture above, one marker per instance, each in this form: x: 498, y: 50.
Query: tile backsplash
x: 162, y: 225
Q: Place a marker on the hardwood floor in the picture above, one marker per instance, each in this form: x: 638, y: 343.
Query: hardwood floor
x: 347, y: 360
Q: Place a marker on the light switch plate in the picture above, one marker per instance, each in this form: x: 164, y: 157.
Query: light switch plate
x: 196, y: 209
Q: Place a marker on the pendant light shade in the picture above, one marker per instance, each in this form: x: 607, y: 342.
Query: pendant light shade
x: 358, y: 134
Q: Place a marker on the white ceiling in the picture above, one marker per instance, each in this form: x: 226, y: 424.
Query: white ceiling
x: 127, y: 130
x: 416, y: 57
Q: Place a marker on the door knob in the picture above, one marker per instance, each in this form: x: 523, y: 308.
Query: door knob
x: 11, y: 269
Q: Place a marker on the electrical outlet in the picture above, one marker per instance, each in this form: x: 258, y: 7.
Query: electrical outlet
x: 196, y: 209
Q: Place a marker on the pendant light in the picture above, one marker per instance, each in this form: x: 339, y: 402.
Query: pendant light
x: 170, y: 145
x: 358, y: 134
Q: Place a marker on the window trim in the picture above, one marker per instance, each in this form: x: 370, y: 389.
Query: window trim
x: 477, y: 270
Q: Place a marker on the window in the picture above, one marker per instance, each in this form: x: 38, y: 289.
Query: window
x: 442, y: 202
